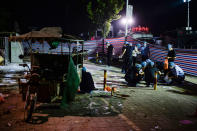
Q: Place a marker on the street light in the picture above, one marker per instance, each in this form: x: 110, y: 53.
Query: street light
x: 188, y: 27
x: 127, y: 4
x: 128, y: 21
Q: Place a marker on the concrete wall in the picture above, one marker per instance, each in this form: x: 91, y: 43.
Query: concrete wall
x: 16, y: 50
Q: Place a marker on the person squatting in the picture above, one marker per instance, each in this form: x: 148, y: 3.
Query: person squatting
x: 146, y: 69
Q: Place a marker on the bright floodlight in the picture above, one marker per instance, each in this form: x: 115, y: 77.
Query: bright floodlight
x: 186, y: 1
x: 124, y: 21
x: 128, y: 21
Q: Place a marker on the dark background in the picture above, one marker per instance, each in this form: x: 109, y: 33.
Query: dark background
x: 158, y: 15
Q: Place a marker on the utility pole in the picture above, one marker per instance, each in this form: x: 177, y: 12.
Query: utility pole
x: 126, y: 26
x: 188, y: 28
x: 127, y: 3
x: 188, y: 14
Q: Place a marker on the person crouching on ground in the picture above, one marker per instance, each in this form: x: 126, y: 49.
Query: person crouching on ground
x: 87, y: 83
x: 175, y: 74
x: 143, y: 64
x: 133, y: 75
x: 149, y: 73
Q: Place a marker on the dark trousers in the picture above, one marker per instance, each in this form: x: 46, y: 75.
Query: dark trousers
x: 179, y: 79
x: 144, y: 57
x: 127, y: 63
x: 133, y: 61
x: 109, y: 60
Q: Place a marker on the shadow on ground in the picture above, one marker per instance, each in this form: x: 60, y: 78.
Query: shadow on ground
x: 38, y: 120
x: 187, y: 92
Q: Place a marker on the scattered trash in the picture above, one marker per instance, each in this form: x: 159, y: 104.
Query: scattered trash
x: 106, y: 108
x: 2, y: 98
x: 167, y: 87
x: 156, y: 128
x: 12, y: 68
x: 90, y: 106
x: 186, y: 122
x: 120, y: 105
x: 99, y: 93
x: 107, y: 113
x: 108, y: 88
x: 9, y: 124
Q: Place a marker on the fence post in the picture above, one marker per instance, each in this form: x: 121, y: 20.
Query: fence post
x: 155, y: 81
x: 97, y: 57
x: 105, y: 79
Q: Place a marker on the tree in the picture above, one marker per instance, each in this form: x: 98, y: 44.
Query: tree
x: 103, y: 12
x: 5, y: 16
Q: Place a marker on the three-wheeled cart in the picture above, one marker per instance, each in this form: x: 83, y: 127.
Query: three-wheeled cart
x: 45, y: 77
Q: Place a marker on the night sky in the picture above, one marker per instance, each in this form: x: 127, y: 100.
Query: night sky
x: 159, y: 15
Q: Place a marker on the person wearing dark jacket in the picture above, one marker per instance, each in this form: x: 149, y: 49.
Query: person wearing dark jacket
x: 87, y: 83
x: 145, y: 52
x: 149, y: 73
x: 171, y: 54
x: 110, y: 51
x: 133, y: 75
x: 127, y: 57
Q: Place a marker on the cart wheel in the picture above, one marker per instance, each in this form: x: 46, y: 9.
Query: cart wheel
x: 29, y: 110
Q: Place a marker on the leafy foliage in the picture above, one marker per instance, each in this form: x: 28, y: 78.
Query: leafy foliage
x: 103, y: 12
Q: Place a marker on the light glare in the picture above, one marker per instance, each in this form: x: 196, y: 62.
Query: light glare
x: 128, y: 21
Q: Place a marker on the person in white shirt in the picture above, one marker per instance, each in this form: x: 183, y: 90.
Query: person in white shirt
x: 176, y: 74
x: 135, y: 52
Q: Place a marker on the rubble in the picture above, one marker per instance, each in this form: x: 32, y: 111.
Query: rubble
x: 2, y: 98
x: 12, y: 68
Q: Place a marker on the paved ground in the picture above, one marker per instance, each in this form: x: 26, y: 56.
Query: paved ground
x: 168, y: 108
x: 11, y: 118
x: 162, y: 109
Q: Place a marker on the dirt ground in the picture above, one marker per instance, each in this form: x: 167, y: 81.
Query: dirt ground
x: 169, y: 108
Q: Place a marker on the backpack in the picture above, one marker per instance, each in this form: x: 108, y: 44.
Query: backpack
x: 165, y: 64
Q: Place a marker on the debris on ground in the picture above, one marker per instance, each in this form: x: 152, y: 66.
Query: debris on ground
x: 165, y: 87
x: 156, y: 128
x: 186, y: 122
x: 12, y: 68
x: 9, y: 124
x: 100, y: 93
x: 2, y: 98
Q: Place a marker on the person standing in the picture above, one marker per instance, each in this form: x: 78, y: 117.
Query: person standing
x: 135, y: 52
x: 123, y: 56
x: 127, y: 57
x: 171, y: 54
x: 145, y: 52
x: 110, y: 51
